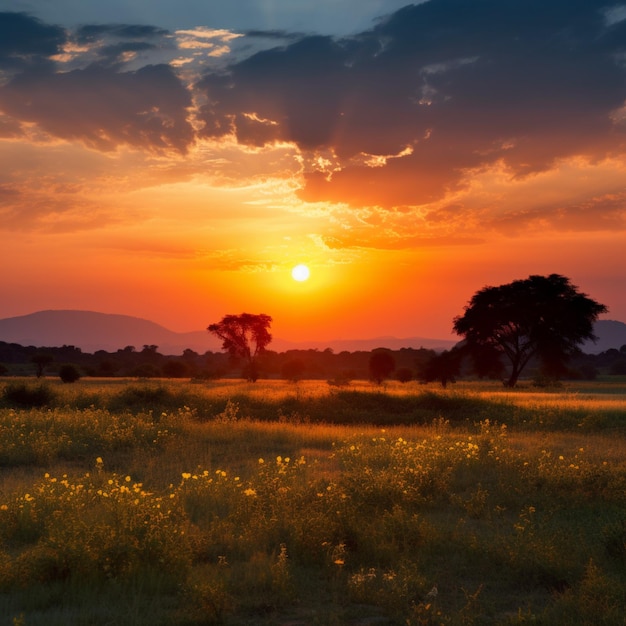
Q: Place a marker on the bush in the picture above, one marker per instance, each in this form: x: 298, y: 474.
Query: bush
x: 69, y: 373
x: 28, y: 395
x: 147, y: 397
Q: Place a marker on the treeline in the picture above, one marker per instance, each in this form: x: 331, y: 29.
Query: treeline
x: 147, y: 362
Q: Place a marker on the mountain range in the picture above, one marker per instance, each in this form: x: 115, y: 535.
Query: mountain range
x: 91, y: 331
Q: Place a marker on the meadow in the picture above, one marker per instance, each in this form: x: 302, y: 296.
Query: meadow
x: 137, y: 502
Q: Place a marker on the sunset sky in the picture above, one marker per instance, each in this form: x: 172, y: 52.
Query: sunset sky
x: 175, y: 160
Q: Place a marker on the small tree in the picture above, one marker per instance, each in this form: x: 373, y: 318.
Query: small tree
x: 245, y: 336
x: 41, y: 360
x: 381, y: 365
x: 542, y: 316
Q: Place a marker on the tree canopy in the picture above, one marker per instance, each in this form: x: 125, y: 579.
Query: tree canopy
x: 443, y: 367
x: 245, y: 335
x: 381, y: 365
x: 542, y: 316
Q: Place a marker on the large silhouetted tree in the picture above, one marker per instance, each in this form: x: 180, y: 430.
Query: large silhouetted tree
x: 542, y: 316
x: 246, y: 336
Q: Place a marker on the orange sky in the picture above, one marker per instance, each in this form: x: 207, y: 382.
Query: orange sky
x: 185, y: 185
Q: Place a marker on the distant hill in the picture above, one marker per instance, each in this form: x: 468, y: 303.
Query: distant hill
x: 610, y: 333
x: 91, y: 331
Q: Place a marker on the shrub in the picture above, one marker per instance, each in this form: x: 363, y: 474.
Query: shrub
x: 148, y: 397
x: 29, y: 396
x: 69, y: 373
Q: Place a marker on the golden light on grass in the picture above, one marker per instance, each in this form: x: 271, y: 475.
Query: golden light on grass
x: 300, y: 273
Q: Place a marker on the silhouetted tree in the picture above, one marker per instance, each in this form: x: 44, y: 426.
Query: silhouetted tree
x: 542, y: 316
x: 69, y: 373
x: 145, y: 370
x: 443, y: 367
x: 487, y: 360
x: 618, y: 367
x: 150, y: 350
x: 293, y: 370
x: 41, y: 360
x: 246, y: 336
x: 175, y: 369
x: 107, y: 367
x: 404, y: 374
x: 381, y: 364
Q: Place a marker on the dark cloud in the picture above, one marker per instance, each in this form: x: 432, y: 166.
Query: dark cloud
x: 462, y: 84
x: 98, y: 104
x: 93, y: 32
x: 104, y: 108
x: 276, y: 35
x: 607, y: 213
x: 25, y: 41
x: 297, y: 89
x: 431, y: 92
x: 115, y: 53
x: 111, y: 42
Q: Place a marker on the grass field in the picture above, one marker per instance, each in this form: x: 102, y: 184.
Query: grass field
x: 159, y: 502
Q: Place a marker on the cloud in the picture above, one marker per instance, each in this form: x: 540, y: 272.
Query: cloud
x: 43, y: 211
x: 215, y: 42
x: 94, y: 101
x: 455, y: 85
x: 104, y: 108
x: 95, y: 32
x: 25, y: 41
x: 429, y: 121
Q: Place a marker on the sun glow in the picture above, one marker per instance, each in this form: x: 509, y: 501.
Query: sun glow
x: 300, y: 273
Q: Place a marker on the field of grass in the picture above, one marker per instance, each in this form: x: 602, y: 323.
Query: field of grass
x: 157, y: 502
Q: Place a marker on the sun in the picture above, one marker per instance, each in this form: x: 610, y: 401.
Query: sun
x: 300, y: 273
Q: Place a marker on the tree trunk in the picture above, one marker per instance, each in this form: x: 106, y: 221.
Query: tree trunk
x: 514, y: 376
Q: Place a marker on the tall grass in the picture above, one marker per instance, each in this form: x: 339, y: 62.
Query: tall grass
x: 178, y: 503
